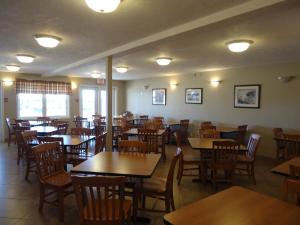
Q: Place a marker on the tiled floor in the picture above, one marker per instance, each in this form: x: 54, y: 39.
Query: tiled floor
x: 19, y: 198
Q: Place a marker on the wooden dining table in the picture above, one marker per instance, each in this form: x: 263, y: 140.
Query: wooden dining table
x: 120, y: 164
x: 44, y: 130
x: 284, y: 168
x: 236, y: 206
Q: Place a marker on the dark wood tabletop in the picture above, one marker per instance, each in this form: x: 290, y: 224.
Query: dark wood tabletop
x: 236, y: 206
x: 134, y: 131
x: 207, y: 143
x: 120, y: 164
x: 42, y: 130
x: 75, y: 140
x: 284, y: 168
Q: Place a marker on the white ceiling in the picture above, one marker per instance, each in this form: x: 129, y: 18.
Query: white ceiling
x: 193, y: 32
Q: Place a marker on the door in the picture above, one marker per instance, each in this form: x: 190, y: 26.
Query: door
x: 88, y: 102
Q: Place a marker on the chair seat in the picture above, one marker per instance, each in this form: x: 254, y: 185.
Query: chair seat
x: 155, y: 184
x: 60, y: 180
x: 108, y: 206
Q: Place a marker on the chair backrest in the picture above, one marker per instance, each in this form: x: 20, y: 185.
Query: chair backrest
x: 100, y: 143
x: 243, y: 127
x: 253, y: 146
x: 81, y: 131
x: 49, y: 159
x: 295, y: 171
x: 100, y: 199
x: 210, y: 133
x: 277, y: 132
x: 150, y: 137
x: 132, y: 146
x: 9, y: 125
x: 24, y: 123
x: 18, y: 131
x: 291, y: 143
x: 170, y: 177
x: 225, y: 153
x: 43, y: 119
x: 62, y: 128
x: 184, y: 124
x: 29, y: 138
x: 79, y: 121
x: 205, y: 124
x: 152, y: 124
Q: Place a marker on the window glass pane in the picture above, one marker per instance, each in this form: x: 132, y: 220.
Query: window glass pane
x: 30, y: 105
x: 56, y: 105
x: 103, y: 102
x: 88, y: 103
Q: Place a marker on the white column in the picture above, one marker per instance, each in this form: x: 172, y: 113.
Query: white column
x: 109, y: 102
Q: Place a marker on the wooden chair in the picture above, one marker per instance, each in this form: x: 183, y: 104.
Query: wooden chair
x: 52, y: 176
x: 132, y: 146
x: 224, y: 160
x: 150, y: 137
x: 210, y: 133
x: 246, y: 162
x: 81, y: 131
x: 291, y: 146
x: 161, y: 188
x: 11, y: 132
x: 100, y: 145
x: 29, y: 140
x: 186, y: 162
x: 20, y: 143
x: 280, y: 145
x: 205, y: 124
x: 96, y: 117
x: 240, y: 134
x: 62, y: 129
x: 100, y: 200
x: 44, y: 119
x: 80, y: 121
x: 292, y: 184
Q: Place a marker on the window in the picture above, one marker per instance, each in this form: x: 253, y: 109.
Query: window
x: 34, y: 105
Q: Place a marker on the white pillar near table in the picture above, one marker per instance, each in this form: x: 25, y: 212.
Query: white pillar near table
x: 109, y: 102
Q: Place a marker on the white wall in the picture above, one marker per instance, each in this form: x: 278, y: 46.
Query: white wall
x: 280, y: 105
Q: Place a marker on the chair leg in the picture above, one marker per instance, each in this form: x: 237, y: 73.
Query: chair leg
x: 167, y: 203
x: 42, y: 195
x: 180, y: 172
x: 61, y: 205
x: 143, y: 201
x: 27, y: 169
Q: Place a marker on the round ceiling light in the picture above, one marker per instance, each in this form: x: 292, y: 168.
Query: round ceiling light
x: 122, y: 69
x: 47, y: 41
x: 23, y: 58
x: 103, y: 6
x: 97, y: 74
x: 13, y: 68
x: 239, y: 45
x: 163, y: 61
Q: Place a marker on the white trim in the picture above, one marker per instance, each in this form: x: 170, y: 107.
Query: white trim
x: 1, y: 112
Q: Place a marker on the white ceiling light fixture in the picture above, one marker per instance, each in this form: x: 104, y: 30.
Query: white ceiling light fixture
x: 103, y: 6
x: 163, y: 61
x: 47, y: 41
x: 13, y: 68
x: 24, y: 58
x: 97, y: 75
x: 239, y: 45
x: 121, y: 69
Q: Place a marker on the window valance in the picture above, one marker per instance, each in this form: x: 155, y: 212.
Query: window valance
x: 42, y: 87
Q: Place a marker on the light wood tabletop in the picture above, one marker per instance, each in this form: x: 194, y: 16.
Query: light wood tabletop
x: 75, y: 140
x: 134, y: 131
x: 121, y: 164
x: 236, y: 206
x: 44, y: 130
x: 207, y: 143
x: 284, y: 168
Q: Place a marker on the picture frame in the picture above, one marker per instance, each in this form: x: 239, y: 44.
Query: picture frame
x: 159, y: 96
x: 247, y: 96
x: 193, y: 95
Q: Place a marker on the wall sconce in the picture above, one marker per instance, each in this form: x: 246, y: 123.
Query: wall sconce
x: 73, y: 86
x: 285, y: 79
x: 8, y: 83
x: 146, y: 87
x: 215, y: 83
x: 174, y: 85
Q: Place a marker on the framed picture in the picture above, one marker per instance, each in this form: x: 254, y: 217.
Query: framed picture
x: 247, y: 96
x: 159, y: 96
x: 193, y: 95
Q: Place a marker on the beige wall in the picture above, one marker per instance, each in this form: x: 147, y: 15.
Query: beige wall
x: 280, y: 105
x: 10, y: 108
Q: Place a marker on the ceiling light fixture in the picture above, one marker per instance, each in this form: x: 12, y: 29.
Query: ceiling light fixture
x: 13, y: 68
x: 23, y: 58
x: 122, y: 69
x: 47, y: 41
x: 239, y: 45
x: 103, y: 6
x: 163, y: 61
x: 96, y: 74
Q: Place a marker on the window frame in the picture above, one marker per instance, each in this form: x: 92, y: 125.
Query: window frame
x: 44, y: 108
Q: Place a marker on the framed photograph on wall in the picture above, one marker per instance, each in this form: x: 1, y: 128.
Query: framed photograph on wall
x: 193, y: 95
x: 159, y: 96
x: 247, y: 96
